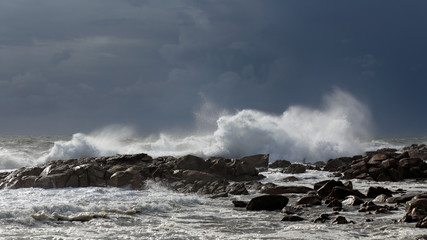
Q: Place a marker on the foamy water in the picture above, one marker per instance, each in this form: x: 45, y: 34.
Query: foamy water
x: 338, y: 128
x: 158, y: 213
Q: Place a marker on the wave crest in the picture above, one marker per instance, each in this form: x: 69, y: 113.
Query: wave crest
x: 300, y: 133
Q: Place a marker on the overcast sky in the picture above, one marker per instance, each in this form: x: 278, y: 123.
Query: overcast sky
x: 74, y: 66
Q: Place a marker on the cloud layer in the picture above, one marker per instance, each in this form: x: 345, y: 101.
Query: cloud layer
x: 71, y: 66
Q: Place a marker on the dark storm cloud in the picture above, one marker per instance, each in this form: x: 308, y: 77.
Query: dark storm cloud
x: 68, y: 66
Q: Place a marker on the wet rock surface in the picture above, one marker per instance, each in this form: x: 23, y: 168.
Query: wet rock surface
x: 185, y: 174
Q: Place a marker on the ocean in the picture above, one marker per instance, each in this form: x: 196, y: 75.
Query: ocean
x: 159, y: 213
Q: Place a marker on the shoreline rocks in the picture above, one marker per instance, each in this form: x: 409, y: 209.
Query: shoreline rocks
x: 219, y: 177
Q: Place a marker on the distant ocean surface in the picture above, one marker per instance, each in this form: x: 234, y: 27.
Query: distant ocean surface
x: 158, y: 213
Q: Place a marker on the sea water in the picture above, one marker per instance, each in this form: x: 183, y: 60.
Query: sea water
x: 159, y: 213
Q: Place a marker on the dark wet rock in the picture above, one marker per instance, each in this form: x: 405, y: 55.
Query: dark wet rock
x: 309, y: 200
x: 186, y: 174
x: 284, y: 189
x: 322, y: 218
x: 422, y: 223
x: 267, y: 202
x: 190, y: 162
x: 334, y: 203
x: 237, y: 188
x: 280, y: 164
x: 292, y: 218
x: 295, y: 168
x: 256, y: 161
x: 382, y: 165
x: 240, y: 204
x: 289, y: 179
x: 219, y: 195
x: 327, y: 187
x: 253, y: 185
x: 341, y: 220
x: 352, y: 201
x: 375, y: 191
x: 416, y: 203
x: 337, y: 164
x: 341, y: 193
x: 318, y: 185
x: 400, y: 199
x: 417, y: 151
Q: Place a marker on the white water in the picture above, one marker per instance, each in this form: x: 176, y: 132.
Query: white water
x: 158, y: 213
x: 336, y: 129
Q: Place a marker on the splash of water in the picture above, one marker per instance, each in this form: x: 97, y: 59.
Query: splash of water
x: 300, y: 133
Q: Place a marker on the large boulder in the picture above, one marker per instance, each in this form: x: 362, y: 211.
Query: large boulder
x: 256, y: 161
x: 336, y: 164
x: 295, y: 168
x: 190, y: 162
x: 267, y: 202
x: 327, y: 187
x: 280, y: 164
x: 373, y: 192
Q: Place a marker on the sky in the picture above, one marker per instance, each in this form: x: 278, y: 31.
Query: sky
x: 74, y: 66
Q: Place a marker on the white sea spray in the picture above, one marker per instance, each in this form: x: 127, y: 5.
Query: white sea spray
x: 300, y: 133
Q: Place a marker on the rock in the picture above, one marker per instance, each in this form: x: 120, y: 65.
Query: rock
x: 190, y: 162
x: 267, y: 202
x: 400, y: 199
x: 253, y: 185
x: 377, y: 159
x: 333, y: 165
x: 215, y: 187
x: 280, y: 164
x: 295, y: 168
x: 237, y: 188
x: 318, y: 185
x: 240, y: 204
x: 292, y: 218
x: 284, y: 189
x: 121, y: 179
x: 352, y: 201
x: 322, y: 218
x: 375, y: 191
x: 380, y: 198
x: 341, y: 220
x: 289, y: 179
x: 327, y: 187
x: 256, y: 161
x: 292, y: 210
x: 219, y: 195
x: 416, y: 203
x: 309, y: 200
x: 422, y: 223
x: 341, y: 193
x: 334, y: 203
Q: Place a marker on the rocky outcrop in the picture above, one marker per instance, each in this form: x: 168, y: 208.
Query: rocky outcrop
x: 185, y: 174
x: 383, y: 165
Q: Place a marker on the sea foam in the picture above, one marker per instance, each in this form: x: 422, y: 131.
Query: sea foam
x: 335, y: 129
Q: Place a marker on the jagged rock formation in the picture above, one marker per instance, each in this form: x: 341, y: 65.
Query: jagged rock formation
x: 185, y: 174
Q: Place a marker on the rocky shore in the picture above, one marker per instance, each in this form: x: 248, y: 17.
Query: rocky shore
x: 221, y: 177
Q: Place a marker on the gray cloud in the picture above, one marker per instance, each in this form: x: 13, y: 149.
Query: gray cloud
x: 69, y: 66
